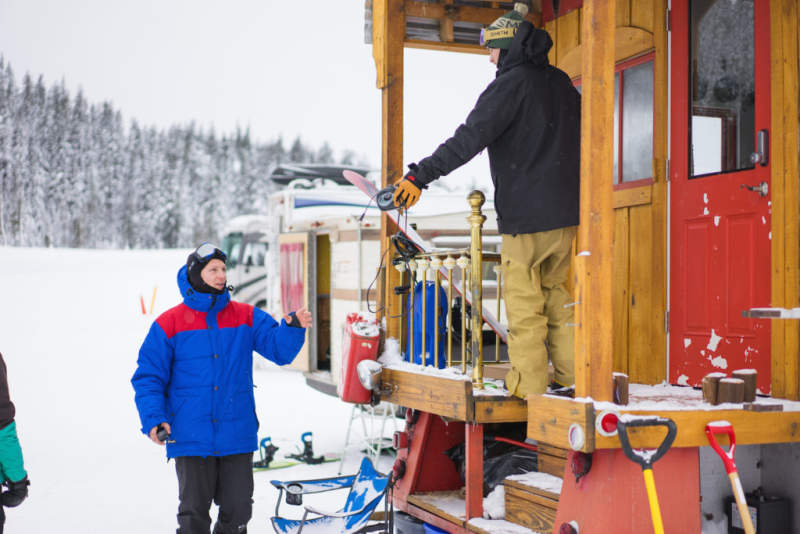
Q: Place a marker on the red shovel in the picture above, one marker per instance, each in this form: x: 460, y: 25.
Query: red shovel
x: 725, y: 427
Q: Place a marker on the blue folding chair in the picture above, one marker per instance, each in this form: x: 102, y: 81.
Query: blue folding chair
x: 367, y: 488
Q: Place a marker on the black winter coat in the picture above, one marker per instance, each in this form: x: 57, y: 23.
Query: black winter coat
x: 7, y: 410
x: 529, y: 118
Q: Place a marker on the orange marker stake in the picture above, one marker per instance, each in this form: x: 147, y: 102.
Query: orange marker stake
x: 153, y: 300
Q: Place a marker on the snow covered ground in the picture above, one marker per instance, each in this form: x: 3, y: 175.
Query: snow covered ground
x: 70, y: 329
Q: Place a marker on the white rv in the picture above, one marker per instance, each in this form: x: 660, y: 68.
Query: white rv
x: 329, y: 259
x: 320, y: 245
x: 247, y: 241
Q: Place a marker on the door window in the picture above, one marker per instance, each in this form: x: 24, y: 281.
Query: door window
x: 633, y: 94
x: 722, y: 85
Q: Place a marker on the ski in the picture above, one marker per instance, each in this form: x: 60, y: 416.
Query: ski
x: 369, y: 189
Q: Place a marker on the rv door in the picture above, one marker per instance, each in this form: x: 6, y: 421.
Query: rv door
x: 297, y: 252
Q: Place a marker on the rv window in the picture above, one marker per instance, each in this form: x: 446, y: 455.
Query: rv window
x: 232, y: 245
x: 255, y: 254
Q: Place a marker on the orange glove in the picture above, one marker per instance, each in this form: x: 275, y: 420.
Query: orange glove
x: 407, y: 192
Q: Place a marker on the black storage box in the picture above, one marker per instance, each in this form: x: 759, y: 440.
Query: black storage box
x: 407, y: 524
x: 771, y: 515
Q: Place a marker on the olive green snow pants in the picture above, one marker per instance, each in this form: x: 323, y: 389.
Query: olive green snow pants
x: 535, y: 269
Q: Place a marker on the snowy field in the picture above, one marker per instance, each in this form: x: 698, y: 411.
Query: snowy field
x: 70, y: 328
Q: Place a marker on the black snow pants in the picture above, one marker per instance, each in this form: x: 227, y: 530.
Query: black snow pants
x: 227, y: 480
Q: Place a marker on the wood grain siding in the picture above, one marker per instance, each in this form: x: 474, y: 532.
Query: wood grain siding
x: 630, y: 42
x: 785, y: 245
x: 639, y: 278
x: 530, y: 507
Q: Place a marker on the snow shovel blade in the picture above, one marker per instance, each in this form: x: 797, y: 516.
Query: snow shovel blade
x: 725, y: 427
x: 647, y: 458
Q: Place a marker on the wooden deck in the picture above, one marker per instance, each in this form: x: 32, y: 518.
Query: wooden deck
x: 453, y: 398
x: 549, y: 419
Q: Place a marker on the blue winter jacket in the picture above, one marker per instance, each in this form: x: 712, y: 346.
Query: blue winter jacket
x: 195, y: 371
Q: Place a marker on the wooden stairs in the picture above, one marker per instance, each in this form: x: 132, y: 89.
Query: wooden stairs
x: 529, y: 504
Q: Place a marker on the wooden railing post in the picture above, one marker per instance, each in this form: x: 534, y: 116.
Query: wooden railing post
x: 388, y: 34
x: 476, y: 220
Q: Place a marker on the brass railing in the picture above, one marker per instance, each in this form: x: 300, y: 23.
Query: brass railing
x: 444, y: 263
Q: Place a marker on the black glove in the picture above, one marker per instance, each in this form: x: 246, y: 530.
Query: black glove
x: 295, y: 322
x: 16, y: 493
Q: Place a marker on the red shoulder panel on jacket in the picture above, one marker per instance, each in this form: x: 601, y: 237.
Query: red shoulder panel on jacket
x: 235, y: 314
x: 180, y: 319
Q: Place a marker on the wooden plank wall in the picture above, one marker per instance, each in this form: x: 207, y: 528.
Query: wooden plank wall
x: 640, y: 263
x: 784, y: 67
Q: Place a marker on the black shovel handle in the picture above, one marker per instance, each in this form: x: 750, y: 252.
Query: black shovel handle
x: 647, y: 461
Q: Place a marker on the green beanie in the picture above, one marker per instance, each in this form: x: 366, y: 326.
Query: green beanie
x: 500, y: 33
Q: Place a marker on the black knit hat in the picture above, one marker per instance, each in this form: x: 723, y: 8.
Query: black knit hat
x: 197, y: 261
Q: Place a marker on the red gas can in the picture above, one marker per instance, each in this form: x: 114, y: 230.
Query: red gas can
x: 361, y: 337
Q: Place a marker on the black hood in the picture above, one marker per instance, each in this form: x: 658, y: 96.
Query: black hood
x: 530, y: 45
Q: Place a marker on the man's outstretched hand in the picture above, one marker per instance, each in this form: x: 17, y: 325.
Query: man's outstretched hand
x: 300, y: 318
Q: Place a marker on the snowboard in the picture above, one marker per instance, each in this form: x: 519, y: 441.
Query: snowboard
x: 281, y: 463
x: 369, y: 189
x: 268, y: 462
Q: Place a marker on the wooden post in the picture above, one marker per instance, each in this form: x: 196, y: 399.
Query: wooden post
x: 474, y: 469
x: 784, y: 165
x: 593, y: 333
x: 730, y: 390
x: 388, y: 34
x: 711, y: 387
x: 620, y: 382
x: 748, y: 376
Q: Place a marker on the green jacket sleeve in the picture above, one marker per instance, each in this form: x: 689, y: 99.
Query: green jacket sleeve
x: 11, y: 463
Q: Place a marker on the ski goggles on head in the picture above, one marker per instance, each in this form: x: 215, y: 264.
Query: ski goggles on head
x: 206, y: 251
x: 488, y: 34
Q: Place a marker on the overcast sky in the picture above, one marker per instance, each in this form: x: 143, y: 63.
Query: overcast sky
x: 282, y: 68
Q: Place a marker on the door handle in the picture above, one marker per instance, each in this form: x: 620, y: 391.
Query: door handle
x: 762, y: 188
x: 762, y: 149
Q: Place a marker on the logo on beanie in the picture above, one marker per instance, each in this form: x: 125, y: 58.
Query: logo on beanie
x: 500, y: 33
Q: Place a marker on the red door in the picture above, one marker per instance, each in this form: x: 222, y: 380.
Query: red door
x: 719, y: 190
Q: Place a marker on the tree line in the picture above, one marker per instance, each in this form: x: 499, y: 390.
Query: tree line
x: 72, y: 174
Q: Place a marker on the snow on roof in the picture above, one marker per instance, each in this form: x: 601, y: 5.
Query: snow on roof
x: 247, y: 224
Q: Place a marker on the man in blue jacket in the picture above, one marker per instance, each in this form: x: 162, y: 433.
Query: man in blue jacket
x: 194, y: 380
x: 529, y: 119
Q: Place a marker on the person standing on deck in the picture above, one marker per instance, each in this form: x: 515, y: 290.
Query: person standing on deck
x: 529, y: 119
x: 194, y: 382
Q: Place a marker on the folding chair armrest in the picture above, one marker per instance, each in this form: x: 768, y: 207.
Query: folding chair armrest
x: 370, y: 504
x: 317, y: 511
x: 317, y: 485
